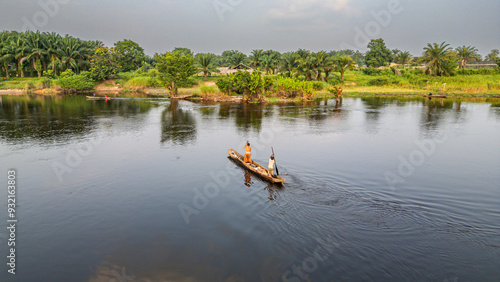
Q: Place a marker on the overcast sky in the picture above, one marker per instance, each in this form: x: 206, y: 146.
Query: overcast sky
x: 282, y: 25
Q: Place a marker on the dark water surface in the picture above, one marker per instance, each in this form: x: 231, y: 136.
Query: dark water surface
x: 376, y: 189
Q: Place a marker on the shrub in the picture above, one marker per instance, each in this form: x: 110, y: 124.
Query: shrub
x: 153, y: 73
x: 225, y: 84
x: 76, y: 83
x: 207, y: 90
x: 30, y: 85
x: 335, y: 80
x: 318, y: 85
x: 371, y: 71
x: 292, y: 87
x: 142, y: 82
x: 269, y: 82
x: 67, y: 73
x: 379, y: 81
x: 49, y: 74
x: 45, y: 82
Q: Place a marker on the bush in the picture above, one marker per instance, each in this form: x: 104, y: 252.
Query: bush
x: 142, y: 82
x: 292, y: 87
x: 335, y: 80
x: 207, y: 90
x: 379, y: 81
x: 153, y: 73
x: 76, y: 83
x: 318, y: 85
x: 371, y: 71
x: 476, y: 71
x: 45, y: 82
x: 30, y: 85
x: 67, y: 73
x: 225, y: 84
x: 49, y: 74
x: 269, y: 82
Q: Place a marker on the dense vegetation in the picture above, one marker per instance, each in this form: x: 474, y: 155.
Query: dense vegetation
x: 75, y: 65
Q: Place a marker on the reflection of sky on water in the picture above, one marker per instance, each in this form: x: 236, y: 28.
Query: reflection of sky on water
x: 119, y: 208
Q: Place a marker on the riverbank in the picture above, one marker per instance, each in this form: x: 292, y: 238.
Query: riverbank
x: 355, y: 84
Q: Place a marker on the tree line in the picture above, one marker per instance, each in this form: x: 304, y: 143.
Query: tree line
x: 37, y: 53
x: 42, y: 53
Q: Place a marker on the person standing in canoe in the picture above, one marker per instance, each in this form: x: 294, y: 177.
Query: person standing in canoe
x: 248, y: 153
x: 270, y: 166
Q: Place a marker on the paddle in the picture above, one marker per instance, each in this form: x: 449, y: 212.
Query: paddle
x: 275, y: 163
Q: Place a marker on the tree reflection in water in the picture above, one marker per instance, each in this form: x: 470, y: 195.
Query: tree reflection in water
x: 178, y: 125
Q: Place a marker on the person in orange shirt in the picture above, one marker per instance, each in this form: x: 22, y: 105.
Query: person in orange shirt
x: 248, y: 153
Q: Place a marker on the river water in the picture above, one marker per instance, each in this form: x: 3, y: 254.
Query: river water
x: 377, y: 189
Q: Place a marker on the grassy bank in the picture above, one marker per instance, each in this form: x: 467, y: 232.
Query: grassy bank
x: 356, y: 83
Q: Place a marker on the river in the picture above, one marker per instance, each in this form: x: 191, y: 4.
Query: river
x: 377, y: 189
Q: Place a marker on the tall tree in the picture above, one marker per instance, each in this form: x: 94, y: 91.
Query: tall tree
x: 438, y: 58
x: 343, y: 63
x: 306, y: 67
x: 466, y: 54
x: 270, y: 61
x: 288, y: 64
x: 322, y: 63
x: 378, y: 55
x: 104, y: 63
x: 175, y: 69
x: 404, y: 58
x: 236, y: 58
x: 492, y: 55
x: 205, y: 62
x: 6, y: 52
x: 74, y: 53
x: 256, y: 58
x: 36, y: 50
x: 52, y: 46
x: 21, y: 52
x: 130, y: 54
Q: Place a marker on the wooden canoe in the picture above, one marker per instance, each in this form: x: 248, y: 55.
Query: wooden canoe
x: 256, y: 168
x: 435, y: 96
x: 97, y: 98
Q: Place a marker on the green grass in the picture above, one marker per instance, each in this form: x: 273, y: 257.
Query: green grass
x: 31, y: 83
x: 357, y: 82
x: 411, y: 83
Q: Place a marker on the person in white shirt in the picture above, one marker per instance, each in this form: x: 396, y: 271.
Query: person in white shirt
x: 270, y: 167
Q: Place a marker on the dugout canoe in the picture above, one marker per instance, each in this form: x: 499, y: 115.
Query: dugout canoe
x: 97, y: 98
x: 255, y: 168
x: 434, y: 96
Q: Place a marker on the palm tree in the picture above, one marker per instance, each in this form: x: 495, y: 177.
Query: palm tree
x: 256, y: 58
x: 236, y: 58
x: 404, y: 58
x: 466, y: 54
x: 492, y: 55
x: 270, y: 62
x: 306, y: 67
x: 288, y: 64
x: 36, y: 50
x: 322, y: 63
x: 20, y: 52
x: 6, y: 53
x: 343, y: 63
x: 205, y: 61
x: 52, y: 45
x: 303, y: 53
x: 437, y: 56
x: 74, y: 52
